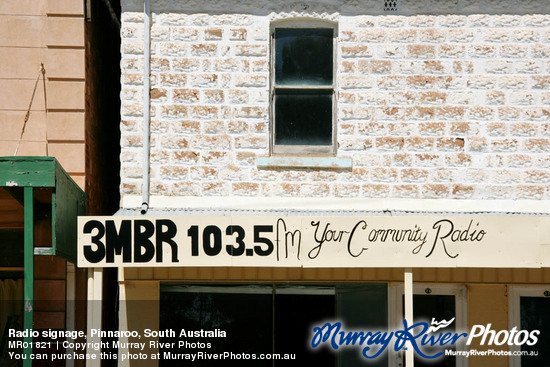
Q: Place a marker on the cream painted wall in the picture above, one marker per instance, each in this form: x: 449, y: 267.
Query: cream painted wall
x: 140, y: 311
x: 488, y: 304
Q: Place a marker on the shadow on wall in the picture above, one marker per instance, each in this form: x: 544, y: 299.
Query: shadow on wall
x: 343, y: 7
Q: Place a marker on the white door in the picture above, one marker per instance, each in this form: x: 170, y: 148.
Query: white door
x: 440, y: 302
x: 530, y: 310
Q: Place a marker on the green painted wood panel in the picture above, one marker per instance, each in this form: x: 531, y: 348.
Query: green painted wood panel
x: 27, y: 171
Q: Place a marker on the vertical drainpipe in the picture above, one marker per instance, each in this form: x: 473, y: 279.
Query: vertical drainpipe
x: 146, y: 105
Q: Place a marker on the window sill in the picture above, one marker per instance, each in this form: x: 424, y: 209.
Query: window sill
x: 304, y: 162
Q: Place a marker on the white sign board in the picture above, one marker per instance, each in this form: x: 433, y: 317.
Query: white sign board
x: 308, y: 241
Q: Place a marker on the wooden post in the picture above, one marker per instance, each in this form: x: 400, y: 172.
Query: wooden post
x: 28, y: 289
x: 409, y: 354
x: 95, y: 281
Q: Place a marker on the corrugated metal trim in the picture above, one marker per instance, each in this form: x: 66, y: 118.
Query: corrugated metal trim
x: 481, y: 276
x: 162, y: 212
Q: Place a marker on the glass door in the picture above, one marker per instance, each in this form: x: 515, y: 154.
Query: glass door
x: 530, y: 310
x: 297, y: 309
x: 362, y: 307
x: 439, y: 302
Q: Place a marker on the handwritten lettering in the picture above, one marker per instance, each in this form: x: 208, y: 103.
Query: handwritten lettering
x: 398, y: 235
x: 446, y: 229
x: 291, y: 238
x: 363, y: 226
x: 362, y: 237
x: 132, y: 241
x: 327, y: 235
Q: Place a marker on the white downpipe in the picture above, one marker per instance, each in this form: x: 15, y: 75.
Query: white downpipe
x: 146, y: 105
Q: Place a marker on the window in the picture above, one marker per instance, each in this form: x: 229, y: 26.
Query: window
x: 302, y: 111
x: 529, y: 311
x: 272, y: 319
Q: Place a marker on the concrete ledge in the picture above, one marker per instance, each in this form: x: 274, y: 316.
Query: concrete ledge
x: 304, y: 162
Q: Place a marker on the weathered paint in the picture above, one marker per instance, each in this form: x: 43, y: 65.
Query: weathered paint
x: 28, y: 171
x: 44, y: 251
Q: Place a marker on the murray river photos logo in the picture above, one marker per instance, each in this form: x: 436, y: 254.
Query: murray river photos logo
x: 429, y: 341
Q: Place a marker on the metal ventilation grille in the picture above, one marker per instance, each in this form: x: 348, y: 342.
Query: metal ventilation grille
x: 390, y: 5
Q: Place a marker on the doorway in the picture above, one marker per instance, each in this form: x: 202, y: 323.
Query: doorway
x: 439, y: 302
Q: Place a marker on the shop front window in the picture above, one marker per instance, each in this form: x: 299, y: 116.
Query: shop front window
x: 262, y: 321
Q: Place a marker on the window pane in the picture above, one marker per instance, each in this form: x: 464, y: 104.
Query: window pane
x: 440, y: 307
x: 303, y: 56
x: 372, y: 300
x: 245, y: 317
x: 295, y: 317
x: 535, y: 315
x: 303, y: 117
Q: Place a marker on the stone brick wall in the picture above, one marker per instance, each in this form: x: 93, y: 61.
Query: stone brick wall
x: 449, y: 105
